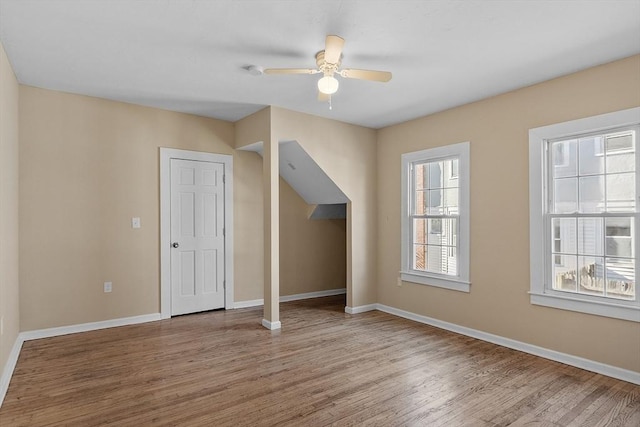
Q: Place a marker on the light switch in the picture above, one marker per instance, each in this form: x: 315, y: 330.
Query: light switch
x: 135, y: 222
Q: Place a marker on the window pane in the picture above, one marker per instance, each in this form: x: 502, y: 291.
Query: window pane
x: 419, y: 230
x: 591, y: 277
x: 563, y: 158
x: 420, y: 174
x: 619, y: 226
x: 619, y: 241
x: 450, y: 231
x: 565, y: 192
x: 564, y: 235
x: 621, y: 191
x: 435, y: 202
x: 453, y: 164
x: 621, y: 155
x: 564, y: 273
x: 591, y: 155
x: 433, y: 194
x: 451, y: 200
x: 452, y: 260
x: 621, y: 162
x: 621, y: 278
x: 620, y: 142
x: 592, y: 194
x: 420, y: 207
x: 418, y: 257
x: 435, y: 174
x: 438, y: 260
x: 617, y: 246
x: 590, y: 236
x: 434, y: 237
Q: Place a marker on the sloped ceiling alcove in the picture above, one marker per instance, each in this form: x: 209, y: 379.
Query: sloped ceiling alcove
x: 308, y: 179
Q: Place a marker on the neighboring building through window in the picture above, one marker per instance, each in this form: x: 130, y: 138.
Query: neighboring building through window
x: 584, y: 214
x: 435, y: 217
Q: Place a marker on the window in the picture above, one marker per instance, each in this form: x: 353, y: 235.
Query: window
x: 435, y: 217
x: 584, y: 186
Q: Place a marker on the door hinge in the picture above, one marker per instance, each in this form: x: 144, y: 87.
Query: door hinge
x: 224, y: 231
x: 224, y: 284
x: 224, y: 179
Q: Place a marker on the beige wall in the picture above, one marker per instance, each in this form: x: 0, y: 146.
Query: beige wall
x: 87, y: 166
x: 253, y: 128
x: 498, y: 130
x: 347, y: 154
x: 9, y: 291
x: 247, y: 227
x: 313, y: 253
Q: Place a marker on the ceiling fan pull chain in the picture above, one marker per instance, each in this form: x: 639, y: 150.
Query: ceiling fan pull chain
x: 330, y: 106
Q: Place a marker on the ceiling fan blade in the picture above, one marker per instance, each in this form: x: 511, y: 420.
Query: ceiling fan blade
x: 291, y: 71
x: 376, y: 76
x: 333, y: 49
x: 323, y: 97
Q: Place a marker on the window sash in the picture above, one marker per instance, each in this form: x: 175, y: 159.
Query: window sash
x: 413, y: 216
x: 414, y: 191
x: 550, y: 253
x: 549, y: 215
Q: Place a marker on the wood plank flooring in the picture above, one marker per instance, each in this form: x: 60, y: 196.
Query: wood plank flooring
x: 324, y: 367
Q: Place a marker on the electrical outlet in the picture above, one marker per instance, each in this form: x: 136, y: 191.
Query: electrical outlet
x: 135, y: 222
x: 399, y: 283
x: 108, y: 286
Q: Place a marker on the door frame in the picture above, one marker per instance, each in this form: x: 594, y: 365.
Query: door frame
x: 166, y: 154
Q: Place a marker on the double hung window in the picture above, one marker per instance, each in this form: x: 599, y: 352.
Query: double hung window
x: 584, y: 215
x: 435, y: 217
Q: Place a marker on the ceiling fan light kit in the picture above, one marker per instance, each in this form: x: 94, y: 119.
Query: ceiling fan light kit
x: 328, y: 62
x: 328, y: 85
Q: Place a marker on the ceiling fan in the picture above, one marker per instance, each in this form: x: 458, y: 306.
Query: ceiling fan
x: 329, y: 61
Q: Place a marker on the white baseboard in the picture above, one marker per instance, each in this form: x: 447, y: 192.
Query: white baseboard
x: 578, y: 362
x: 360, y: 309
x: 248, y: 303
x: 317, y: 294
x: 85, y: 327
x: 295, y: 297
x: 271, y: 325
x: 10, y: 366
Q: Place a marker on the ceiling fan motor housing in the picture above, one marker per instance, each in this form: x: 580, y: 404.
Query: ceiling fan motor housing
x: 326, y: 67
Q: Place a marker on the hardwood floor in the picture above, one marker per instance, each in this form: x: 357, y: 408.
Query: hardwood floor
x: 324, y: 367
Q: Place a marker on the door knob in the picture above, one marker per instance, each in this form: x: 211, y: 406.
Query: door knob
x: 175, y: 244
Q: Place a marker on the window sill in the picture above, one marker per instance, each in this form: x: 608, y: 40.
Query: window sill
x: 616, y: 311
x: 452, y: 283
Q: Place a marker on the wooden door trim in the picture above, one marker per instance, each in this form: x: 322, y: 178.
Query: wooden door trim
x: 166, y: 154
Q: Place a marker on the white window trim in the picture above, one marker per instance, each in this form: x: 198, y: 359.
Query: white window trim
x: 540, y: 295
x: 461, y: 281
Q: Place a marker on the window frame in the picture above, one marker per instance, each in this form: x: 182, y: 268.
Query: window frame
x: 459, y: 282
x: 541, y: 292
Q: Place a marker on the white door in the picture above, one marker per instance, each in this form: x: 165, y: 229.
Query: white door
x: 197, y: 236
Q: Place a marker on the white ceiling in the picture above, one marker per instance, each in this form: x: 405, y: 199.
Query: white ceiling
x: 189, y: 55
